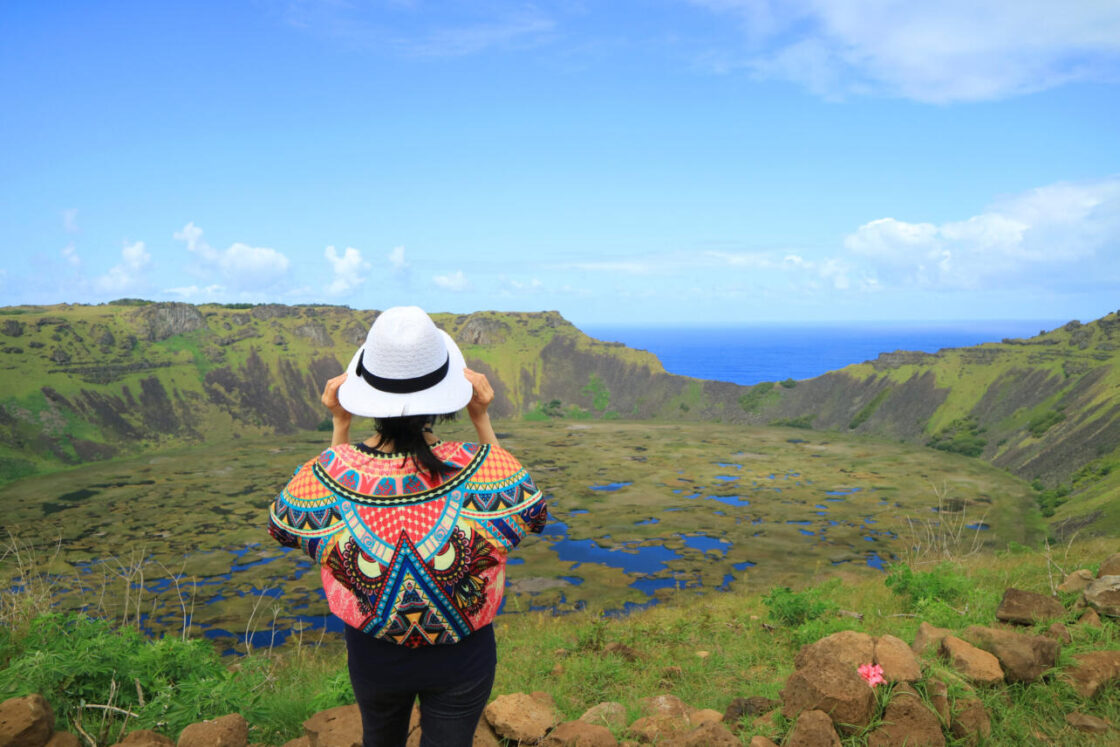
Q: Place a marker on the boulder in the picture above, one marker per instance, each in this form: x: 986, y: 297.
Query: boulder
x: 971, y: 723
x: 759, y: 741
x: 665, y: 705
x: 298, y: 742
x: 336, y: 727
x: 1059, y: 632
x: 975, y: 664
x: 231, y: 730
x: 521, y: 717
x: 1088, y: 724
x: 609, y: 714
x: 26, y: 721
x: 1110, y: 566
x: 710, y: 734
x: 658, y: 729
x: 833, y: 687
x: 907, y: 721
x: 1076, y: 581
x: 938, y: 694
x: 579, y: 734
x: 145, y: 738
x: 705, y: 716
x: 1092, y: 670
x: 897, y: 660
x: 66, y: 739
x: 1028, y: 607
x: 813, y: 729
x: 1103, y: 595
x: 848, y: 647
x: 1090, y: 618
x: 928, y: 638
x: 755, y: 705
x: 1023, y: 657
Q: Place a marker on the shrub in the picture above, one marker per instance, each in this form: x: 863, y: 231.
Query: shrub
x: 962, y: 436
x: 794, y: 608
x: 758, y: 396
x: 1042, y: 422
x: 942, y: 583
x: 788, y: 383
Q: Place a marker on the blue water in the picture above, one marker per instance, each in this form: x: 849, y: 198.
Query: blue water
x: 748, y: 355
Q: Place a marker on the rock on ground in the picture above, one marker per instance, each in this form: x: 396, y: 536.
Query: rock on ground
x: 65, y: 739
x: 907, y: 721
x: 709, y: 734
x: 971, y: 723
x: 1092, y: 670
x: 609, y: 714
x: 938, y: 693
x: 335, y: 727
x: 761, y: 742
x: 1076, y: 581
x: 227, y: 731
x: 813, y: 729
x: 848, y: 646
x: 521, y: 717
x: 928, y: 637
x: 897, y: 660
x: 666, y: 705
x: 1103, y: 595
x: 833, y: 687
x: 657, y: 729
x: 1028, y: 607
x: 756, y: 705
x: 975, y: 664
x: 1086, y: 723
x: 579, y: 734
x: 1110, y: 566
x: 145, y: 738
x: 27, y: 721
x: 1023, y: 657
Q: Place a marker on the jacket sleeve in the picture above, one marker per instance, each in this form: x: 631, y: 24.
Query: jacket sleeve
x: 305, y: 513
x: 502, y: 497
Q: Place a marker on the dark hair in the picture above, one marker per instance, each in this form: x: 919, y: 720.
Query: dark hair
x: 407, y: 435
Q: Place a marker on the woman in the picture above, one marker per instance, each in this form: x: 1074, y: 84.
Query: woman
x: 411, y: 532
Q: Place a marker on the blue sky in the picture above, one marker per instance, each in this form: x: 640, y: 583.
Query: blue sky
x: 664, y: 161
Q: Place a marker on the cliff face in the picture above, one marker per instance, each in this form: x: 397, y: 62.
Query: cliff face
x: 87, y: 382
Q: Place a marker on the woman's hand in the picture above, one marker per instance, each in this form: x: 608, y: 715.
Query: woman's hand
x: 330, y: 398
x: 340, y: 417
x: 480, y: 400
x: 483, y: 393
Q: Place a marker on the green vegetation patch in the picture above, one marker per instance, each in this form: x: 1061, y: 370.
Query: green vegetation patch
x: 867, y: 410
x: 962, y: 436
x: 1042, y: 422
x: 758, y: 397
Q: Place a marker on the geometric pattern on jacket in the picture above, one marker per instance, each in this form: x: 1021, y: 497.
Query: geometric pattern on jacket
x: 405, y: 556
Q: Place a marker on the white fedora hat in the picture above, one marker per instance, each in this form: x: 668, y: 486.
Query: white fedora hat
x: 406, y: 366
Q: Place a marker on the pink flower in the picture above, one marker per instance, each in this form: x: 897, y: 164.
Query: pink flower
x: 873, y: 673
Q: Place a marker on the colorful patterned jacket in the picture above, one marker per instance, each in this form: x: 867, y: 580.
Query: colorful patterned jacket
x: 406, y: 557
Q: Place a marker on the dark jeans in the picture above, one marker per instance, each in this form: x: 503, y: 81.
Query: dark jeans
x: 448, y: 715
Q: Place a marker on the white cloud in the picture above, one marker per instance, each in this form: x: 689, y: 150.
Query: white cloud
x: 624, y: 266
x: 956, y: 50
x: 348, y: 269
x: 239, y: 266
x: 532, y: 284
x: 396, y: 258
x: 195, y: 293
x: 1044, y: 233
x: 455, y: 281
x: 128, y: 274
x: 70, y: 254
x: 70, y: 220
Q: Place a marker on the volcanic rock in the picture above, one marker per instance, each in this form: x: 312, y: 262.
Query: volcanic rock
x: 928, y: 637
x: 1023, y: 657
x: 579, y: 734
x: 521, y: 717
x: 1103, y: 595
x: 1028, y: 607
x: 897, y: 660
x: 608, y: 714
x: 145, y: 738
x: 231, y: 730
x: 26, y: 721
x: 833, y: 687
x: 971, y: 722
x: 813, y: 729
x: 977, y: 665
x: 848, y: 647
x: 1092, y: 670
x: 1076, y: 581
x: 907, y: 721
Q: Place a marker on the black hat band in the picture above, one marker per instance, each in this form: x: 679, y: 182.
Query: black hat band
x: 402, y: 386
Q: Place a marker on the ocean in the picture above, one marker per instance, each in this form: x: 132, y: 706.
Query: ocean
x: 750, y: 354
